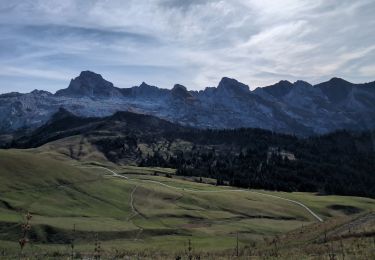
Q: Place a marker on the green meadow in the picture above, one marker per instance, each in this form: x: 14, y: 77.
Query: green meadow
x: 148, y: 209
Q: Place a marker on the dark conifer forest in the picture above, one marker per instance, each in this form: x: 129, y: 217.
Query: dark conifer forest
x: 338, y: 163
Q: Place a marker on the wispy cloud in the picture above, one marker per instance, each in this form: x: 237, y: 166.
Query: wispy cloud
x: 193, y: 42
x: 30, y: 72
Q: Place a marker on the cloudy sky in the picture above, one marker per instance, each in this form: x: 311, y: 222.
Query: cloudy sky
x: 45, y: 43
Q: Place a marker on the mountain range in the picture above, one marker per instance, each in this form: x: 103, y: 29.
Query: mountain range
x: 294, y: 108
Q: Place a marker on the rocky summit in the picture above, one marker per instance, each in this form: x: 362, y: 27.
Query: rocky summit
x: 89, y: 84
x: 295, y: 108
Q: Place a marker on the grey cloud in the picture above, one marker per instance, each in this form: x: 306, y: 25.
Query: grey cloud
x: 194, y: 42
x: 56, y: 32
x: 186, y: 4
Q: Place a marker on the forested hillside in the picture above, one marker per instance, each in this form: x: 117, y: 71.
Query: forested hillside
x: 338, y: 163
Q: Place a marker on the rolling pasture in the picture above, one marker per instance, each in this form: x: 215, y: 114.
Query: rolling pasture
x: 137, y: 209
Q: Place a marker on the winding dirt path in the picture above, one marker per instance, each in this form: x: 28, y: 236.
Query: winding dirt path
x: 312, y: 213
x: 134, y: 213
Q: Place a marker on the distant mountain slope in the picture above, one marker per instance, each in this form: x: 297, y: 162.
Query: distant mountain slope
x: 294, y: 108
x: 337, y: 163
x: 64, y: 124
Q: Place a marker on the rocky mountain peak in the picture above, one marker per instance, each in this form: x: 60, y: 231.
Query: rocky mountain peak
x: 284, y: 83
x: 232, y: 85
x: 279, y: 89
x: 180, y: 91
x: 301, y: 83
x: 336, y: 89
x: 145, y: 85
x: 89, y: 84
x: 90, y: 75
x: 178, y: 87
x: 336, y: 81
x: 146, y: 91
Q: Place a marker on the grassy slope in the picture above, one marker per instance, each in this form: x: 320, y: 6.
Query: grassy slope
x: 60, y: 195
